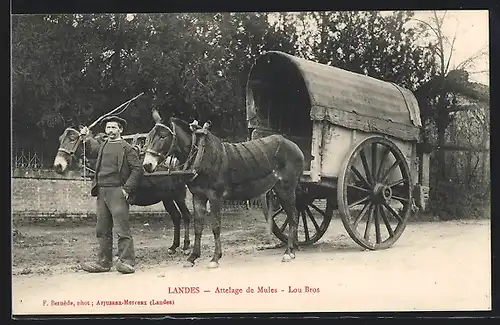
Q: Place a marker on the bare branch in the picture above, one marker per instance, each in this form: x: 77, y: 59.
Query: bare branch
x: 479, y: 71
x: 467, y: 62
x: 439, y: 21
x: 428, y: 25
x: 452, y: 47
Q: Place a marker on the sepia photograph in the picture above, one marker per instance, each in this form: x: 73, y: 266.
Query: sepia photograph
x: 250, y: 162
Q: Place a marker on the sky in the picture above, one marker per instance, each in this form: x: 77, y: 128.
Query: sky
x: 472, y: 36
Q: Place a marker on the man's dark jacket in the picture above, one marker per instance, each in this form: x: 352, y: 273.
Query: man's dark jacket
x: 131, y: 171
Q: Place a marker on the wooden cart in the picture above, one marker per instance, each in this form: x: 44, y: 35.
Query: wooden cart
x: 361, y: 140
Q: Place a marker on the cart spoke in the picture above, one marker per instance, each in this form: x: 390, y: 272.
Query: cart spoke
x: 401, y: 181
x: 374, y: 162
x: 283, y: 226
x: 317, y: 209
x: 365, y: 166
x: 360, y: 176
x: 306, y: 229
x: 385, y: 153
x: 359, y: 188
x: 369, y: 223
x: 277, y: 212
x: 394, y: 213
x: 309, y: 213
x: 377, y: 224
x: 389, y: 171
x: 367, y: 206
x: 363, y: 200
x: 400, y: 199
x: 386, y: 221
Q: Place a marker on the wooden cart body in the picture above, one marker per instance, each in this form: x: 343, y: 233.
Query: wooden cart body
x: 329, y: 112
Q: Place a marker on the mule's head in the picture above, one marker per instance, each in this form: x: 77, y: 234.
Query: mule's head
x: 160, y: 143
x: 69, y: 149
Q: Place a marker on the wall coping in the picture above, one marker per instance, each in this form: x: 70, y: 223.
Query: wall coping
x: 47, y: 174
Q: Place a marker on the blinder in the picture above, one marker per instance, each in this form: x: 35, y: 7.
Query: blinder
x: 74, y: 143
x: 172, y: 144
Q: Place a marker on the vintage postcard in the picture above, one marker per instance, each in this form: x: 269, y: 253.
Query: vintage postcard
x: 250, y: 162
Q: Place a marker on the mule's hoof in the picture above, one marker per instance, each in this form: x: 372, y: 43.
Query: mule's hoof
x: 213, y: 265
x: 286, y: 258
x: 171, y: 251
x: 187, y: 251
x: 188, y: 264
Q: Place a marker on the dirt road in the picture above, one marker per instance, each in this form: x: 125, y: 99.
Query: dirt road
x: 433, y: 266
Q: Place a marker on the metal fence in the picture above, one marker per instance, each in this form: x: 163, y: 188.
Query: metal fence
x: 30, y: 160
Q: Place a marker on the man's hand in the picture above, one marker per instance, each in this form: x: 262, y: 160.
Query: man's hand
x: 125, y: 194
x: 84, y: 131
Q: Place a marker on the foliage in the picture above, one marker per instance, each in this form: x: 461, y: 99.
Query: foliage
x: 454, y: 112
x: 70, y: 69
x: 372, y: 43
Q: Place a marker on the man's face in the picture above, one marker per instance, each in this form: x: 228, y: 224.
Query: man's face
x: 113, y: 130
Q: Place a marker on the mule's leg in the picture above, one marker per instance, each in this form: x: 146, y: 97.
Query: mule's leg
x: 267, y: 209
x: 176, y: 220
x: 287, y: 197
x: 291, y: 212
x: 199, y: 206
x: 215, y: 213
x: 186, y: 219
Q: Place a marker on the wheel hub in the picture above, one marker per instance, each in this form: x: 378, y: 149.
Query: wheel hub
x: 382, y: 193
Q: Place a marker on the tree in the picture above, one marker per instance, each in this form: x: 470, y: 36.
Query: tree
x: 373, y: 43
x: 438, y: 96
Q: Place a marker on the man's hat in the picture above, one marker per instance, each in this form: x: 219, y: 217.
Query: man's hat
x: 114, y: 118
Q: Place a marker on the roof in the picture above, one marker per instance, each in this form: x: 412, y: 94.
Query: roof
x: 346, y: 98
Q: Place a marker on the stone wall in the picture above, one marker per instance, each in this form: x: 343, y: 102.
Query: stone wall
x: 46, y: 194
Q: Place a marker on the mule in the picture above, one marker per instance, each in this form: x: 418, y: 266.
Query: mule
x: 220, y: 171
x: 152, y: 190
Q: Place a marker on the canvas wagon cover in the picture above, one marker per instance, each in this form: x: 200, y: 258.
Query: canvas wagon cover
x: 344, y: 98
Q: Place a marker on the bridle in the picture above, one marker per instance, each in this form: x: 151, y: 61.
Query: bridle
x: 72, y: 150
x: 172, y: 145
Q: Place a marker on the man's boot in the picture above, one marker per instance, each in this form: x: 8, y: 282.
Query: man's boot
x: 94, y: 267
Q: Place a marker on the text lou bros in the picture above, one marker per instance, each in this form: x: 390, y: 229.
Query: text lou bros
x: 305, y: 289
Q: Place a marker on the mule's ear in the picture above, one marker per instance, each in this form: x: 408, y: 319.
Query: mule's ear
x: 156, y: 115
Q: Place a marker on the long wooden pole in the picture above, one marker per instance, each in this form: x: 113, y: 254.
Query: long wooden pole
x: 114, y: 110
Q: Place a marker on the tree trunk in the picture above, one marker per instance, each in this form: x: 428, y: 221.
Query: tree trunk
x: 483, y: 156
x: 115, y: 89
x: 441, y: 130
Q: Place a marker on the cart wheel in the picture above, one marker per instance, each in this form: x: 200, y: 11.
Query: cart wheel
x: 374, y: 187
x: 314, y: 217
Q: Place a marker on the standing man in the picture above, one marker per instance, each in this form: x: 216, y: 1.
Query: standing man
x: 118, y: 173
